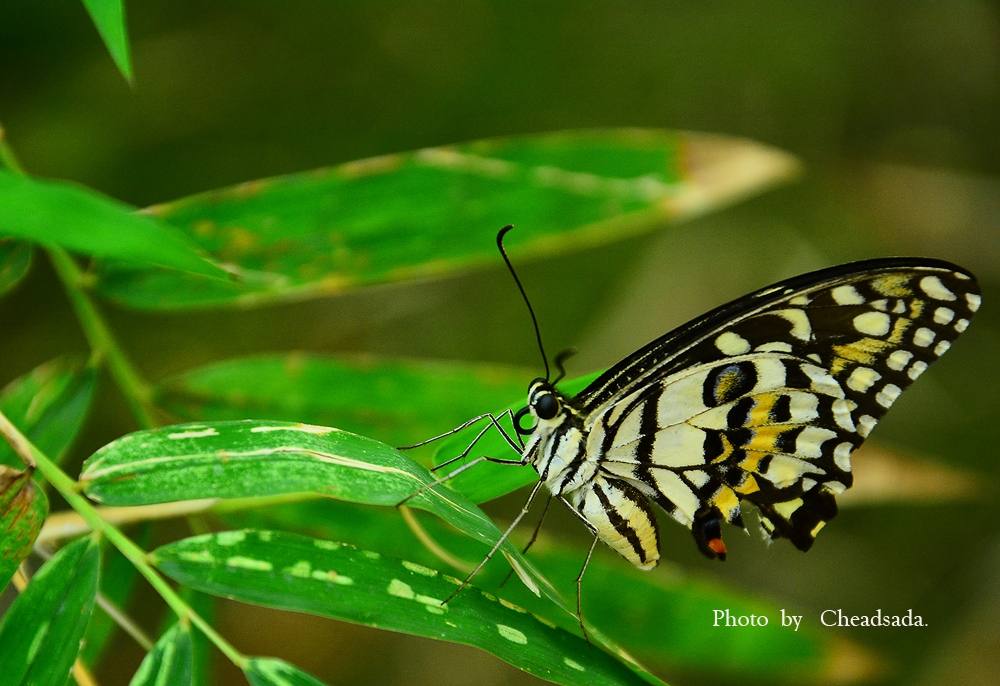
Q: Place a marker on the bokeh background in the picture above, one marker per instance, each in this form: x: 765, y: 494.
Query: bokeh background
x: 891, y: 107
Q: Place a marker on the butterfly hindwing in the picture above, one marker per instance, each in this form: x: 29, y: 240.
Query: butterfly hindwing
x: 765, y: 399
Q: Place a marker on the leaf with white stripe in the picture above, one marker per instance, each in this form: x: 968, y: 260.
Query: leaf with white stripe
x: 241, y: 459
x: 298, y: 573
x: 268, y: 671
x: 40, y: 633
x: 171, y: 661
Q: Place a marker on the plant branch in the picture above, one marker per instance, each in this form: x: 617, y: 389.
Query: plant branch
x: 138, y: 393
x: 67, y: 488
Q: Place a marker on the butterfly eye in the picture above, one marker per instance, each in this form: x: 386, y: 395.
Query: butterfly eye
x: 546, y: 406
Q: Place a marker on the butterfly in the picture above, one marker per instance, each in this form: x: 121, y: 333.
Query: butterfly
x: 762, y: 400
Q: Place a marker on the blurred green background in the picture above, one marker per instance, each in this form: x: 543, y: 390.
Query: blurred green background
x: 891, y: 106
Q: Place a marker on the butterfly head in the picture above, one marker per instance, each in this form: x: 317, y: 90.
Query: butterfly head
x: 544, y: 403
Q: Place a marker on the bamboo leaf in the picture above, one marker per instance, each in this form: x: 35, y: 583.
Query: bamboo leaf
x: 614, y: 591
x: 49, y: 405
x: 171, y: 661
x: 239, y: 459
x: 400, y: 401
x: 41, y: 631
x: 22, y: 512
x: 15, y: 261
x: 118, y: 580
x: 83, y: 220
x: 321, y: 577
x: 433, y: 212
x: 267, y: 671
x: 257, y: 458
x: 109, y: 18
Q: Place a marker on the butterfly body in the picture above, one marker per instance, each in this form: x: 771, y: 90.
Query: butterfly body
x: 762, y: 401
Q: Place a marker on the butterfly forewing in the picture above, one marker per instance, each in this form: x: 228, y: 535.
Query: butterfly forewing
x: 765, y: 398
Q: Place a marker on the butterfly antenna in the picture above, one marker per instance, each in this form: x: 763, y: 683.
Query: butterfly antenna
x: 520, y: 287
x: 560, y: 360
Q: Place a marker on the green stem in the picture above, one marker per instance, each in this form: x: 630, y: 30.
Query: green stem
x: 138, y: 393
x: 67, y: 488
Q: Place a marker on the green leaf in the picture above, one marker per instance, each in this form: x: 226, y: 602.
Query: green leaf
x: 257, y: 458
x: 23, y: 508
x: 49, y: 405
x: 239, y: 459
x: 321, y: 577
x: 613, y: 591
x: 41, y: 631
x: 171, y: 660
x: 267, y: 671
x: 118, y: 578
x: 400, y: 401
x: 15, y: 261
x: 490, y: 480
x: 109, y: 18
x: 83, y: 220
x: 434, y: 212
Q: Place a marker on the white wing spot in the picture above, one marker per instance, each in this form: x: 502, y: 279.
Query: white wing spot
x: 822, y: 381
x: 799, y: 320
x: 923, y: 337
x: 943, y: 315
x: 847, y: 295
x: 974, y: 300
x: 918, y: 368
x: 941, y: 348
x: 899, y: 359
x: 842, y: 456
x: 842, y: 414
x: 961, y: 325
x: 932, y: 286
x: 865, y: 425
x: 862, y: 378
x: 730, y: 343
x: 810, y: 441
x: 872, y: 323
x: 887, y: 396
x: 775, y: 346
x: 512, y: 634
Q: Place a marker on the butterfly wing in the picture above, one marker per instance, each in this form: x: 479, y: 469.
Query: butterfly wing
x: 765, y: 398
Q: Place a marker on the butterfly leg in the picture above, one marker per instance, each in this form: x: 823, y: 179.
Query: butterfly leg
x: 579, y: 588
x: 455, y: 472
x: 517, y: 446
x: 500, y: 542
x: 494, y: 424
x: 534, y: 537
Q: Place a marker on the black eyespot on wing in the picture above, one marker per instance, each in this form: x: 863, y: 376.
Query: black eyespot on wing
x: 728, y: 382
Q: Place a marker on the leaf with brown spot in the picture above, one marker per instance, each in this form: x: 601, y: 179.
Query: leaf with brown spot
x: 22, y: 512
x: 434, y: 212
